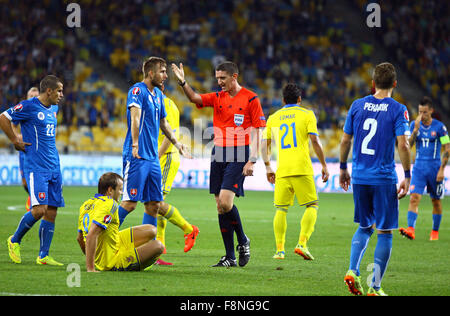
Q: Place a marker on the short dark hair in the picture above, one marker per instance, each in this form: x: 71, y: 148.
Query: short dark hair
x: 107, y: 180
x: 151, y: 63
x: 229, y: 67
x: 384, y: 76
x: 291, y: 92
x: 49, y: 81
x: 426, y: 101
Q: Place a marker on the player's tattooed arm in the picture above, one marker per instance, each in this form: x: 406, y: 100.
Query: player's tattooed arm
x: 445, y: 156
x: 444, y: 160
x: 412, y: 138
x: 415, y: 132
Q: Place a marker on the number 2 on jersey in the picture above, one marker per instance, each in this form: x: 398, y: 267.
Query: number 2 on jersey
x: 285, y: 127
x: 370, y: 125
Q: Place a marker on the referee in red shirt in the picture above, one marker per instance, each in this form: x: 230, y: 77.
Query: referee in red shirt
x: 238, y: 118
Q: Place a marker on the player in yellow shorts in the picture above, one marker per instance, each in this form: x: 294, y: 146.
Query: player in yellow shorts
x: 106, y: 248
x: 292, y: 127
x: 169, y: 159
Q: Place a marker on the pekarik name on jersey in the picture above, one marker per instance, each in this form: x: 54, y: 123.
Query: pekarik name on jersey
x: 382, y: 107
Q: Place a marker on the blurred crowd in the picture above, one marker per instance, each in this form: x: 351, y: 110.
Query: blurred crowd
x: 416, y: 36
x: 34, y: 44
x: 273, y: 42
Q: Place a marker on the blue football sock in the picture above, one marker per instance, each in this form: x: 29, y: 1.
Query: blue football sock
x: 412, y: 217
x: 122, y: 214
x: 148, y: 219
x: 436, y: 221
x: 381, y: 258
x: 360, y: 241
x: 227, y: 231
x: 46, y: 230
x: 235, y: 220
x: 25, y: 224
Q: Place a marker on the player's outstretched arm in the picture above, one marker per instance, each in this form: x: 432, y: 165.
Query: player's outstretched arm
x: 7, y: 128
x: 404, y: 152
x: 344, y: 176
x: 318, y: 149
x: 165, y: 144
x: 168, y: 132
x: 191, y: 94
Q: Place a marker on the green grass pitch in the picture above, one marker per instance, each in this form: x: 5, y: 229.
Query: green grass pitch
x: 417, y: 267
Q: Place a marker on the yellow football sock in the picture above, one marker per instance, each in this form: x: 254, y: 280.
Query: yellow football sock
x: 161, y: 229
x: 174, y: 216
x: 307, y: 224
x: 280, y: 227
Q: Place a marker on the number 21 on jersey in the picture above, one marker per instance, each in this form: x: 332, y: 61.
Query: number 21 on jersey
x: 285, y: 129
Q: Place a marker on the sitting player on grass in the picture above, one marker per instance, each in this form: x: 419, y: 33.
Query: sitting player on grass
x: 107, y: 248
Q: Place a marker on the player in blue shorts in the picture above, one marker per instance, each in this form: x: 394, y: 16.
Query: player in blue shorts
x: 37, y: 117
x: 375, y: 122
x: 141, y: 168
x: 429, y: 135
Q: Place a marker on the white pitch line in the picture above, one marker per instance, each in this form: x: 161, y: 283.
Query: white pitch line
x: 21, y: 208
x: 26, y: 294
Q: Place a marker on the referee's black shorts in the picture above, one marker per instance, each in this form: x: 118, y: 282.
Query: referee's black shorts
x: 227, y: 164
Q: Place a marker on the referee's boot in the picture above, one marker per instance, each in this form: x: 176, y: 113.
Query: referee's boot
x: 244, y: 253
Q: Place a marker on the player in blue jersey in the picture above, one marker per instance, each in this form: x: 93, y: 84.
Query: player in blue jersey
x: 375, y: 122
x: 429, y: 135
x: 32, y: 92
x: 37, y: 117
x: 141, y: 168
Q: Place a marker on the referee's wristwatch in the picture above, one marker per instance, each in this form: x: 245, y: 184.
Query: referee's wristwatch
x: 252, y: 159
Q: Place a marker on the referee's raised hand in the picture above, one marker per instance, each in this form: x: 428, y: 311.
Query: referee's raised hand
x: 179, y: 72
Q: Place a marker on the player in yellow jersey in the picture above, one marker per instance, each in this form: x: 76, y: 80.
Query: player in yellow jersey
x: 292, y: 127
x: 107, y: 248
x: 169, y: 159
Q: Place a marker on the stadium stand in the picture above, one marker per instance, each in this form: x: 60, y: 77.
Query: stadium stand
x: 274, y: 42
x: 416, y: 37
